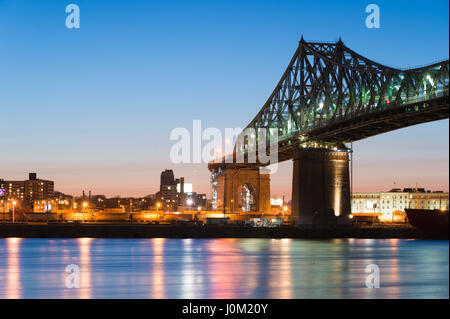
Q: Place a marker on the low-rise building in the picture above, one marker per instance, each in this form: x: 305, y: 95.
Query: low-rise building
x: 44, y: 206
x: 387, y: 203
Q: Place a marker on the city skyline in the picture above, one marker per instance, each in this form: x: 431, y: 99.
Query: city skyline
x: 101, y: 99
x: 83, y: 192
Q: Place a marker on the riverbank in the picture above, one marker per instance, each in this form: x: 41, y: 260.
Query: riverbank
x: 188, y: 231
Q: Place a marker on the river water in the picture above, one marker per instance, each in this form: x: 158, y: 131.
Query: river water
x: 223, y: 268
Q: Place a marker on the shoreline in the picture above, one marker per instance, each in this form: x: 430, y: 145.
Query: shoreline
x: 188, y: 231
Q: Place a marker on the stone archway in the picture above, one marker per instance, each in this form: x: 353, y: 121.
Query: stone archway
x: 248, y: 198
x: 230, y: 183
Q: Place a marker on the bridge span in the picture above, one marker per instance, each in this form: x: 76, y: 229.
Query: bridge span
x: 328, y: 96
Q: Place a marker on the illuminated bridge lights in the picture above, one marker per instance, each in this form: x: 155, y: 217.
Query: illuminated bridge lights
x: 331, y: 94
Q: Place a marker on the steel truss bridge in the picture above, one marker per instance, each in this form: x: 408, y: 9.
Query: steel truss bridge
x: 330, y: 95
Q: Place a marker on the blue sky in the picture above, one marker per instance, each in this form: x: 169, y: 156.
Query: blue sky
x: 93, y: 108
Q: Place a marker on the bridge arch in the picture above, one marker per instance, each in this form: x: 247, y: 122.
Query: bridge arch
x: 241, y: 189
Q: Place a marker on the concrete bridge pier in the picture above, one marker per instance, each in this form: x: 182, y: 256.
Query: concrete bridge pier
x: 321, y: 187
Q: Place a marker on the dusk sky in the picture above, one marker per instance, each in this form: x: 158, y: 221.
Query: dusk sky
x: 92, y: 108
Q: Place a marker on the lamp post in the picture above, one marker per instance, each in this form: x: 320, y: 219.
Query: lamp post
x: 3, y: 211
x: 13, y: 206
x: 284, y: 210
x: 158, y: 205
x: 85, y: 205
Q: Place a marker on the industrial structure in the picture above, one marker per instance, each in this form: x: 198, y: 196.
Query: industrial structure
x: 328, y: 97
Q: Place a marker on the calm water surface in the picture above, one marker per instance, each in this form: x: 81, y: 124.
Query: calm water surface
x: 223, y: 268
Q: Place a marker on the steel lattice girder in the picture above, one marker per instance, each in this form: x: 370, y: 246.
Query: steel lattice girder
x: 326, y: 83
x: 331, y: 94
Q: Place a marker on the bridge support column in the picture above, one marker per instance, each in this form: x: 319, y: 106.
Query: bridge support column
x: 321, y: 187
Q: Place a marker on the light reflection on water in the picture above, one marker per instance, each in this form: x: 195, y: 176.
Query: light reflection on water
x: 223, y: 268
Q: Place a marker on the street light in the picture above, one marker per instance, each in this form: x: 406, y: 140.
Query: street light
x: 14, y: 205
x: 285, y: 208
x: 158, y: 205
x: 85, y: 205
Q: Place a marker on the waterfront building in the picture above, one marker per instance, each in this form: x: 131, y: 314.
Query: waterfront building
x: 167, y: 178
x: 38, y: 189
x: 397, y: 200
x: 59, y: 201
x: 114, y: 204
x: 12, y: 189
x: 168, y: 196
x: 194, y: 201
x: 175, y: 194
x: 44, y: 206
x: 27, y: 191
